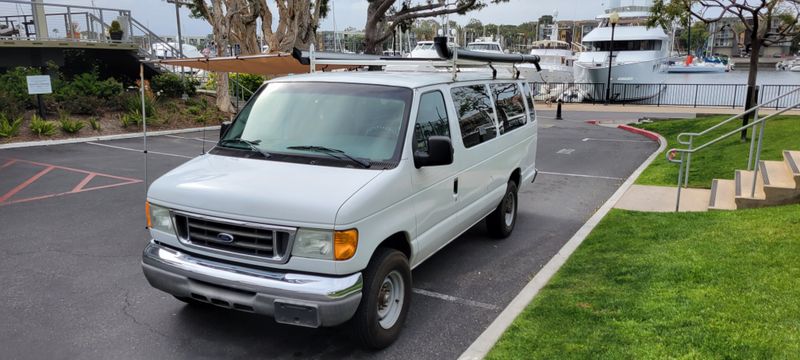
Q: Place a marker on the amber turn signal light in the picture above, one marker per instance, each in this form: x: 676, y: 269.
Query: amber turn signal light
x: 147, y: 214
x: 345, y: 243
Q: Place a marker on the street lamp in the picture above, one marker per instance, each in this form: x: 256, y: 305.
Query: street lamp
x: 613, y: 19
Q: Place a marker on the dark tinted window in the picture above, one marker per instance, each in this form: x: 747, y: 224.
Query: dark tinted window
x: 475, y: 114
x: 527, y: 91
x: 510, y: 106
x: 431, y: 120
x: 630, y: 45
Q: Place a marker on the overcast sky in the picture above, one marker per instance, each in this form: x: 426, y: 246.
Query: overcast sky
x: 159, y: 16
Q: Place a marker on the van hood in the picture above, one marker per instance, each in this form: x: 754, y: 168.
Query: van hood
x: 273, y: 191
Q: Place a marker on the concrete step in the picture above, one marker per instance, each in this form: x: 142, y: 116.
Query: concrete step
x: 792, y: 160
x: 744, y: 185
x: 723, y: 195
x: 778, y: 180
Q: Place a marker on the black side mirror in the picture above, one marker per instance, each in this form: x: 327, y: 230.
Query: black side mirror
x: 223, y: 128
x: 440, y: 152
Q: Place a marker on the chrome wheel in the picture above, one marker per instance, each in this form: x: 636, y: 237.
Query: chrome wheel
x: 390, y: 299
x: 509, y: 209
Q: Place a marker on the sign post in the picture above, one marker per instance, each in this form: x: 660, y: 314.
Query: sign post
x: 38, y: 85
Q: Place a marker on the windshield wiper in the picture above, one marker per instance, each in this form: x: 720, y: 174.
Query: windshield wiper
x: 332, y: 152
x: 253, y: 144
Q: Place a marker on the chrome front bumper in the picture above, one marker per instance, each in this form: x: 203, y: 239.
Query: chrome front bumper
x: 297, y: 299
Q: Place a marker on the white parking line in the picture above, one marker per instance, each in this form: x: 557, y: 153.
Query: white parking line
x: 188, y: 138
x: 617, y: 140
x: 580, y: 175
x: 139, y: 150
x: 455, y: 299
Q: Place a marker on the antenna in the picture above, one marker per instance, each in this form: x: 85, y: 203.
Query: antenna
x: 144, y: 127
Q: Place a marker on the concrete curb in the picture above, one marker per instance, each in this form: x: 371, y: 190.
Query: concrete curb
x: 648, y: 134
x: 102, y: 138
x: 484, y: 343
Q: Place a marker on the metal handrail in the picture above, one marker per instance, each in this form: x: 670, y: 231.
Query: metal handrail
x: 29, y: 3
x: 683, y: 172
x: 737, y: 116
x: 151, y: 35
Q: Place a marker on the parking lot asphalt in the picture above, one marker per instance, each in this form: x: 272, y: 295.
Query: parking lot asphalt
x: 71, y: 242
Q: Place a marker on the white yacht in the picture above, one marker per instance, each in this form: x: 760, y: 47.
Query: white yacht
x: 556, y: 59
x: 640, y: 55
x: 426, y: 50
x: 492, y: 47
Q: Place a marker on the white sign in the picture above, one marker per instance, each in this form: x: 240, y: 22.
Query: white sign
x: 39, y: 84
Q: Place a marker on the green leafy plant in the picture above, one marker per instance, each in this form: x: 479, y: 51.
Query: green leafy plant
x: 94, y: 124
x: 70, y: 126
x: 171, y: 85
x: 132, y: 103
x: 15, y: 87
x: 249, y: 82
x: 9, y: 128
x: 42, y: 127
x: 115, y: 27
x: 131, y: 118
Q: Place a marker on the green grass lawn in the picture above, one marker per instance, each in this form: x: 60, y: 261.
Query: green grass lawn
x: 721, y: 160
x: 713, y: 285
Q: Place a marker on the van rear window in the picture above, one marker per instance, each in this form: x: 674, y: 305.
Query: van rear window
x: 475, y: 114
x: 510, y: 106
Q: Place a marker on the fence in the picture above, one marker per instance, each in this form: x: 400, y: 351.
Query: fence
x: 691, y: 95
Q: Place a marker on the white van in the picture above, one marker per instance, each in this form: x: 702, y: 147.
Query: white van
x: 328, y: 188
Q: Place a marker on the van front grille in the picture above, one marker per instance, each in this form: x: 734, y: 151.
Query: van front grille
x: 262, y: 241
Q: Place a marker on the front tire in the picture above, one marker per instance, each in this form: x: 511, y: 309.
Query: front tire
x: 502, y: 220
x: 386, y: 297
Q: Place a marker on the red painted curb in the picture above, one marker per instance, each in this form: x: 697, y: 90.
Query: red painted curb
x: 592, y: 122
x: 648, y: 134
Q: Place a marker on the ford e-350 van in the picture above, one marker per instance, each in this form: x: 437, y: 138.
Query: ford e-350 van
x: 327, y: 189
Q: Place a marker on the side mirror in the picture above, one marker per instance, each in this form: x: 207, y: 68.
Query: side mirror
x: 440, y: 152
x: 223, y: 128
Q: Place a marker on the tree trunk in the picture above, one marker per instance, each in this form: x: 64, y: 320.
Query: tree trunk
x: 752, y: 98
x: 373, y: 30
x: 220, y: 30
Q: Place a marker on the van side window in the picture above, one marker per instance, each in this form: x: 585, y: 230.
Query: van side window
x: 475, y: 114
x: 510, y: 106
x: 529, y: 94
x: 431, y: 120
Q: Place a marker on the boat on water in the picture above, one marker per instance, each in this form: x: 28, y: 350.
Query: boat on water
x: 556, y: 60
x: 486, y: 45
x: 426, y: 50
x: 706, y: 65
x: 789, y: 65
x: 640, y: 55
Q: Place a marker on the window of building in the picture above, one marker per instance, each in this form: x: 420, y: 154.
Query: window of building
x: 510, y: 106
x: 475, y: 114
x: 431, y: 120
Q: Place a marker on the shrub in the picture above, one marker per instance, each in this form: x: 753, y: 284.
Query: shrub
x: 132, y: 103
x: 171, y: 85
x: 95, y: 125
x: 88, y: 105
x: 15, y: 86
x: 42, y: 127
x: 8, y: 127
x: 248, y: 81
x: 115, y: 27
x: 10, y: 105
x: 70, y: 126
x: 131, y: 118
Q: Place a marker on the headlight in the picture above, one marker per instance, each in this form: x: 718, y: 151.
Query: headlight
x: 325, y: 244
x: 158, y: 218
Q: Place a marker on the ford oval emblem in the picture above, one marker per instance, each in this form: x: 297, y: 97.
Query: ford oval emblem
x: 225, y: 237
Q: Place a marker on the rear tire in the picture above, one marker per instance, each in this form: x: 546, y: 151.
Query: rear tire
x: 385, y: 300
x: 502, y: 220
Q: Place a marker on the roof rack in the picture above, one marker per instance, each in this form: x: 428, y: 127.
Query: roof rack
x: 451, y: 59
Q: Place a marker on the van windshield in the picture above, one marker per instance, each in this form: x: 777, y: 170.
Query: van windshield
x: 356, y: 121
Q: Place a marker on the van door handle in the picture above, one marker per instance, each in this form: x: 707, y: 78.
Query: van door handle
x: 455, y: 186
